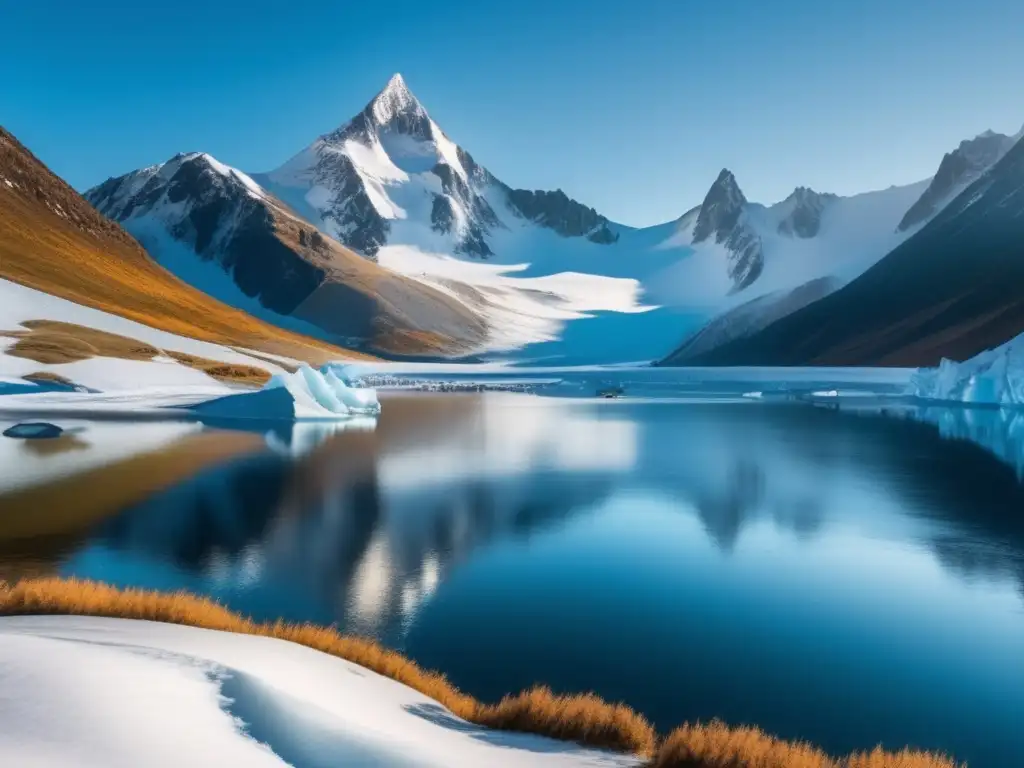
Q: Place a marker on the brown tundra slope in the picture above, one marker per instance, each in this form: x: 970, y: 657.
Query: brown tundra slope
x: 53, y: 240
x: 215, y: 227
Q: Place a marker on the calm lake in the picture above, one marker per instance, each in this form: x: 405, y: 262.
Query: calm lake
x: 844, y: 577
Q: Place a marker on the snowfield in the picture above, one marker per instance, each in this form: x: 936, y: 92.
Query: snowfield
x: 153, y: 387
x: 19, y: 303
x: 118, y: 693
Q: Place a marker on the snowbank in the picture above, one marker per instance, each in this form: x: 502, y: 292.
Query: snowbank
x: 120, y: 693
x: 994, y: 377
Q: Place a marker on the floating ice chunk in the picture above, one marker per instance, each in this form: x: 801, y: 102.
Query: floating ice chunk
x: 305, y: 394
x: 994, y: 377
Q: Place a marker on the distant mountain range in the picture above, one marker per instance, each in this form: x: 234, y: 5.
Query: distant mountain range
x: 387, y: 236
x: 953, y: 289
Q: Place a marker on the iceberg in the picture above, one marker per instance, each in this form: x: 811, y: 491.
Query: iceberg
x: 994, y: 377
x: 306, y: 394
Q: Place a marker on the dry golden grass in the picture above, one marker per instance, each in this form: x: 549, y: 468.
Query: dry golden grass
x: 715, y: 745
x: 878, y: 758
x: 230, y: 373
x: 52, y: 240
x: 585, y: 719
x: 50, y: 348
x: 52, y: 342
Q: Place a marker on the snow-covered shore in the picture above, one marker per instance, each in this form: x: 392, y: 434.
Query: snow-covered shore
x: 119, y: 693
x: 306, y: 394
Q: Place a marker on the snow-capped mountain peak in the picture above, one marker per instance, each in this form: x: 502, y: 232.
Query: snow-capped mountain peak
x: 721, y: 220
x: 391, y: 176
x: 396, y: 99
x: 956, y: 172
x: 395, y: 109
x: 721, y: 208
x: 801, y: 212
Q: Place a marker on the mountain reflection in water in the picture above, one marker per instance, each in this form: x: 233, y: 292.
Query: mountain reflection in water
x: 844, y: 577
x: 367, y: 523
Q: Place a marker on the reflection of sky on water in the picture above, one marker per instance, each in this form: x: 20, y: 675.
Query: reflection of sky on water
x: 781, y: 547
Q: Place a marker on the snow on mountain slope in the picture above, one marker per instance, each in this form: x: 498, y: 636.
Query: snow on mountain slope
x: 392, y: 185
x: 749, y: 318
x: 548, y: 276
x: 807, y: 236
x: 391, y: 175
x: 951, y: 290
x: 54, y: 241
x: 19, y: 303
x: 813, y: 239
x: 220, y: 231
x: 137, y: 693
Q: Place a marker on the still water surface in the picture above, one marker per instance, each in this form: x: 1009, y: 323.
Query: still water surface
x: 846, y: 578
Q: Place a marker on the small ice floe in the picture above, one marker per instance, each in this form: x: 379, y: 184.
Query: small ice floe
x: 753, y: 395
x: 34, y: 430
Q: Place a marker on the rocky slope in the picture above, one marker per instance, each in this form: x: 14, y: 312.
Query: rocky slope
x: 815, y: 241
x: 747, y: 319
x: 958, y: 169
x: 53, y: 240
x: 392, y: 165
x: 471, y: 264
x: 221, y: 232
x: 952, y: 290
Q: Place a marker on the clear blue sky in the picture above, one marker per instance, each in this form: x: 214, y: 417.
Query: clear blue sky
x: 631, y: 106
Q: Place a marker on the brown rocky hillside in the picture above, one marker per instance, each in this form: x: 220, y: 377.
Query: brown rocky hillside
x: 53, y: 240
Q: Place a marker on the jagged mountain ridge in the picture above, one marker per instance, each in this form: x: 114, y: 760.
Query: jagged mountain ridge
x: 52, y: 240
x: 393, y: 162
x: 952, y: 290
x: 956, y: 171
x: 391, y: 186
x: 222, y: 232
x: 801, y: 217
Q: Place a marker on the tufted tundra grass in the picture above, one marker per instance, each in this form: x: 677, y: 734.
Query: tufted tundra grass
x: 716, y: 745
x: 584, y: 718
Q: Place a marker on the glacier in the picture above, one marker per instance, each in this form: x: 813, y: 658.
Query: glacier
x: 994, y: 377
